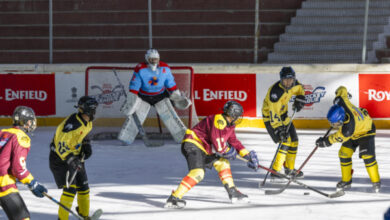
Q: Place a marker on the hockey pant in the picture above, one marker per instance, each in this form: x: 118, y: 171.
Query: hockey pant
x: 367, y: 153
x: 14, y: 207
x: 197, y: 161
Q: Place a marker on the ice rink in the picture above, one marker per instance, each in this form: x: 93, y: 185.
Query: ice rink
x: 133, y: 182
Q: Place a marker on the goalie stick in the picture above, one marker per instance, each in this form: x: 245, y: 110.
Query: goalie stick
x: 277, y: 150
x: 96, y: 215
x: 147, y: 141
x: 331, y: 195
x: 278, y: 191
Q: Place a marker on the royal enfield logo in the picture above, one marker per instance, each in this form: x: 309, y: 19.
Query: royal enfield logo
x: 210, y: 95
x: 107, y: 95
x: 11, y: 95
x: 378, y: 96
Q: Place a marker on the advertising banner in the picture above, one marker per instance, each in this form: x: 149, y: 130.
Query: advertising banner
x: 33, y: 90
x: 319, y: 87
x: 69, y: 88
x: 212, y: 91
x: 374, y: 94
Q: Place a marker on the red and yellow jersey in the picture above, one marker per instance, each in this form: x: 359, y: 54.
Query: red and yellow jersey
x: 275, y: 104
x: 14, y: 148
x: 212, y: 134
x: 358, y: 122
x: 70, y: 134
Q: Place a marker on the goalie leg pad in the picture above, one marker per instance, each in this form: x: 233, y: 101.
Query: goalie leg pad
x: 132, y: 103
x: 171, y: 120
x: 129, y: 129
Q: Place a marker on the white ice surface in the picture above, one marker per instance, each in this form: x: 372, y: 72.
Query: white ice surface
x: 133, y: 182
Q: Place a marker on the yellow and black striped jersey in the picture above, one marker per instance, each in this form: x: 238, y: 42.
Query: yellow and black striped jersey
x: 275, y: 104
x: 70, y: 134
x: 358, y: 122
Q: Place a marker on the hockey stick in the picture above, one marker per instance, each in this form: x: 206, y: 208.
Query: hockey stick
x: 96, y: 215
x: 277, y: 150
x: 332, y: 195
x: 69, y: 182
x: 148, y: 142
x: 278, y: 191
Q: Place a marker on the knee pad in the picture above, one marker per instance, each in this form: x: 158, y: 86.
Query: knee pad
x: 196, y: 174
x: 345, y: 152
x: 221, y: 164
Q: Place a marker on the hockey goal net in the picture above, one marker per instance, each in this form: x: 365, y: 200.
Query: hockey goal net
x: 108, y: 84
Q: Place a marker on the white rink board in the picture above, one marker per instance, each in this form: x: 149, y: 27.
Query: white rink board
x: 329, y: 81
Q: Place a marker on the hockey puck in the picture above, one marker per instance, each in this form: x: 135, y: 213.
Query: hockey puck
x: 306, y: 193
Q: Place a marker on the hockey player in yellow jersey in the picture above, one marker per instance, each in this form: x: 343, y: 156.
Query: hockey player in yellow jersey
x: 69, y: 148
x: 355, y: 129
x: 276, y: 120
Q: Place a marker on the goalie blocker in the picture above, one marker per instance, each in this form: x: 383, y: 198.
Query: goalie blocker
x: 140, y: 105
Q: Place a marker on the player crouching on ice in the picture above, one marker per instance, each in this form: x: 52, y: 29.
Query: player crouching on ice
x: 355, y: 129
x: 153, y: 84
x: 212, y: 142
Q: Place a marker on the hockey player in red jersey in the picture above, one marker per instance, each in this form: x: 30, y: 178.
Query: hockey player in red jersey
x: 14, y: 148
x: 212, y: 142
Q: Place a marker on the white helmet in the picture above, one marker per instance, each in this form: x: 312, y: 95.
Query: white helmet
x: 150, y: 54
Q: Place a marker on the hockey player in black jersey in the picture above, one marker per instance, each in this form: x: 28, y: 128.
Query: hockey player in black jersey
x: 69, y: 148
x: 276, y: 120
x: 355, y: 129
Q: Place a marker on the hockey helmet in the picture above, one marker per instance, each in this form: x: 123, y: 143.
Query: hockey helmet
x: 336, y: 115
x: 286, y: 74
x: 21, y: 116
x: 87, y: 105
x: 152, y: 57
x: 234, y: 110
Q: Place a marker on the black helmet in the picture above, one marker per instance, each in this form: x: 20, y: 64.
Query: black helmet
x: 287, y: 72
x: 23, y: 114
x: 87, y: 105
x: 234, y: 110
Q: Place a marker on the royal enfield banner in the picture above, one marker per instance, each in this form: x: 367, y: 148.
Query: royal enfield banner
x: 33, y: 90
x: 319, y: 88
x: 374, y: 94
x: 212, y: 91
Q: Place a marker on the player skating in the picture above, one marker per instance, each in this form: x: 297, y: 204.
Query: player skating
x: 276, y: 119
x: 14, y: 148
x: 212, y: 142
x: 355, y: 129
x: 153, y: 85
x: 69, y: 148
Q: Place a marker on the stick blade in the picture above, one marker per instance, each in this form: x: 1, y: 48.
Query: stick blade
x: 336, y: 194
x: 96, y: 215
x: 274, y: 192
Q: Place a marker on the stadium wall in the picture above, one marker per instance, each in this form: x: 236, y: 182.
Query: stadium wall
x: 53, y: 90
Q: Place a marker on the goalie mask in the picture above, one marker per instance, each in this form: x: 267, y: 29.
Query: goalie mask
x: 87, y: 105
x: 234, y: 110
x: 152, y: 58
x: 24, y: 118
x: 336, y: 116
x: 287, y: 77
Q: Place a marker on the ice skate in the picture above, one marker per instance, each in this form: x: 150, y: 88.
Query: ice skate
x: 175, y: 203
x: 293, y: 173
x: 236, y: 196
x: 275, y: 179
x: 376, y: 187
x: 344, y: 185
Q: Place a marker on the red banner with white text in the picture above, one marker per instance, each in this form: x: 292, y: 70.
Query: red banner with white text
x: 374, y: 94
x: 33, y: 90
x: 212, y: 91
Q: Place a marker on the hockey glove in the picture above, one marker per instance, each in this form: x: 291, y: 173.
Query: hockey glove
x: 323, y: 142
x: 74, y: 163
x: 86, y: 148
x: 299, y: 103
x: 253, y: 161
x: 36, y: 188
x: 281, y: 133
x: 230, y: 153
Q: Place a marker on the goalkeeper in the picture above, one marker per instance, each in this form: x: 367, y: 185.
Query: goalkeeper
x: 153, y: 85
